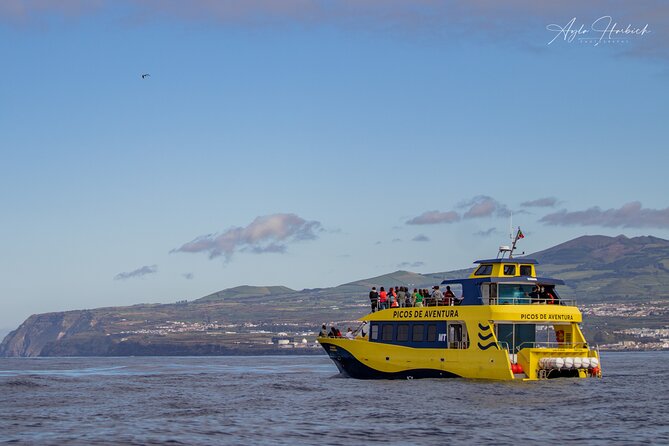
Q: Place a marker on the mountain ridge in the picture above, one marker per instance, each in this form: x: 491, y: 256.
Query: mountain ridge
x: 246, y: 290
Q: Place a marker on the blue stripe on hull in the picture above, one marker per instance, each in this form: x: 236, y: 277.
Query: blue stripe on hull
x: 349, y: 366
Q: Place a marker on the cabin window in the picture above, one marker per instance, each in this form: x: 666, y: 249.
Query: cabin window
x: 387, y: 332
x: 509, y: 270
x: 493, y: 293
x: 517, y: 336
x: 525, y: 270
x: 403, y: 332
x: 431, y: 333
x: 375, y: 332
x: 483, y: 270
x: 514, y: 293
x: 418, y: 333
x: 546, y: 335
x: 457, y: 336
x: 489, y: 293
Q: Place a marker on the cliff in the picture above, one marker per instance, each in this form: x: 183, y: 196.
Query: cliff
x: 41, y: 331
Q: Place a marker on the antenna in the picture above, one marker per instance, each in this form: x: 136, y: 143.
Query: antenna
x: 505, y: 249
x: 511, y: 226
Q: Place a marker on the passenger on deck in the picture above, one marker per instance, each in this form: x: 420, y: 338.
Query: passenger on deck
x: 536, y: 295
x: 437, y: 296
x: 448, y: 296
x: 374, y: 298
x: 408, y: 302
x: 324, y: 331
x: 549, y: 296
x: 401, y: 296
x: 417, y: 298
x: 383, y: 299
x: 392, y: 297
x: 519, y: 295
x: 427, y: 301
x: 349, y: 334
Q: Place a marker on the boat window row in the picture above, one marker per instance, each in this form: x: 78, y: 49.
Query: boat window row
x: 437, y: 334
x: 508, y: 270
x: 516, y: 336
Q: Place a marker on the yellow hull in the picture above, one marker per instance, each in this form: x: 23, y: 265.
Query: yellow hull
x: 477, y: 353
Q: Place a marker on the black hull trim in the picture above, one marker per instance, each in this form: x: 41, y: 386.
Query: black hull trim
x: 350, y: 367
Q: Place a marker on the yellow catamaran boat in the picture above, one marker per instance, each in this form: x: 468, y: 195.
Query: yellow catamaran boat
x: 508, y: 324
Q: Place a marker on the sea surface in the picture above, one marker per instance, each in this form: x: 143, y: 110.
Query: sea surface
x: 291, y: 400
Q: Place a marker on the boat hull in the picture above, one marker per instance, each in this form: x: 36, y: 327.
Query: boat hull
x: 358, y: 358
x: 349, y: 366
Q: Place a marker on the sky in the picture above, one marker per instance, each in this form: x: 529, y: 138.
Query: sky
x: 311, y: 143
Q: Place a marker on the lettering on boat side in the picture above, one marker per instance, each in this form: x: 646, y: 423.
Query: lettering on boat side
x: 546, y: 317
x: 403, y: 314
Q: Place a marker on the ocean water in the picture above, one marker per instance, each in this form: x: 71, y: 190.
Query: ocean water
x: 302, y: 400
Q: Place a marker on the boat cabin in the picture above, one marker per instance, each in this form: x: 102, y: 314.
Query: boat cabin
x: 505, y: 268
x: 507, y: 281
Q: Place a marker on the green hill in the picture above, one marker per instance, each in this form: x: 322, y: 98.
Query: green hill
x: 397, y: 278
x: 243, y: 291
x: 598, y: 268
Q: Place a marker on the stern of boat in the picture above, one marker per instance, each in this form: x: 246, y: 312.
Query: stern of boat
x: 547, y: 363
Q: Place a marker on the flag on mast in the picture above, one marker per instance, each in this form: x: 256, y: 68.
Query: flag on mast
x: 520, y: 234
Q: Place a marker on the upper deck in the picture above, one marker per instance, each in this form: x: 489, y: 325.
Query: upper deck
x: 508, y: 281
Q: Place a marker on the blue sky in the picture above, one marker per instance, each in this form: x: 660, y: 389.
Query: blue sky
x: 311, y: 143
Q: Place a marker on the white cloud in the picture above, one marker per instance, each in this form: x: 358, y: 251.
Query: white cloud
x: 434, y: 217
x: 266, y: 234
x: 486, y: 233
x: 410, y: 264
x: 547, y: 202
x: 630, y: 215
x: 484, y: 206
x: 139, y: 272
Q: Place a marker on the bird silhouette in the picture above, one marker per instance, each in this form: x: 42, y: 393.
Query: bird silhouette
x: 145, y: 75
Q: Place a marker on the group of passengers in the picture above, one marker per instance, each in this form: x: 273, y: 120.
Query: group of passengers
x: 401, y: 297
x: 542, y: 294
x: 336, y: 333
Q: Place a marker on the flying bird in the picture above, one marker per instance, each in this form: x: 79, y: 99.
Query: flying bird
x: 145, y: 75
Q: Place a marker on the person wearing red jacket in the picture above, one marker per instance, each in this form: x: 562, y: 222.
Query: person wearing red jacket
x: 383, y: 299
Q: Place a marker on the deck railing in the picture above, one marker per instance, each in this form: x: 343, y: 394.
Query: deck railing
x: 552, y: 344
x: 431, y: 302
x: 527, y: 301
x: 549, y: 344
